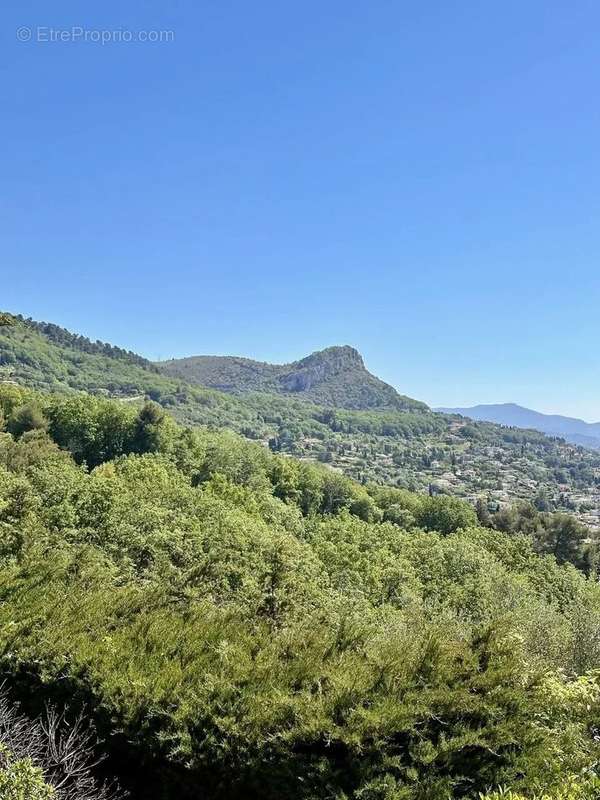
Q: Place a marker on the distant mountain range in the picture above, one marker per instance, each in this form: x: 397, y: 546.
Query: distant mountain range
x: 336, y: 376
x: 571, y: 429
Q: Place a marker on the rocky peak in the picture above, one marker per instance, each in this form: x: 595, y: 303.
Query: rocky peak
x: 320, y: 366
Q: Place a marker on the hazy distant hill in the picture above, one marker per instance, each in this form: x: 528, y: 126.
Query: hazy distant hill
x: 335, y: 376
x: 573, y: 430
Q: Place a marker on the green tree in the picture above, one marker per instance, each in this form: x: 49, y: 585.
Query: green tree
x: 28, y: 417
x: 541, y: 501
x: 149, y: 428
x: 445, y: 514
x: 483, y: 513
x: 399, y: 516
x: 563, y: 537
x: 20, y: 780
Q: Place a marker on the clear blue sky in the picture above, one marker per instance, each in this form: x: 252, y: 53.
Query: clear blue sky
x: 419, y: 180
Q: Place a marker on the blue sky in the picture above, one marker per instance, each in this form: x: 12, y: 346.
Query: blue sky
x: 419, y: 180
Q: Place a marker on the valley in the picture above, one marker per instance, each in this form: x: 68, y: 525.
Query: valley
x: 376, y: 435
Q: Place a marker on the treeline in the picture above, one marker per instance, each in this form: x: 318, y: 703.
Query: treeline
x: 96, y: 430
x: 30, y: 359
x: 381, y: 423
x: 64, y: 338
x: 239, y: 624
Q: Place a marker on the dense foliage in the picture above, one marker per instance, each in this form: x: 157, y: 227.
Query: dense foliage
x: 241, y: 624
x: 65, y: 339
x: 21, y: 780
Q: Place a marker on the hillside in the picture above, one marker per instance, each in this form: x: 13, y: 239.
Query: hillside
x: 412, y: 448
x: 336, y: 376
x: 242, y: 626
x: 572, y: 429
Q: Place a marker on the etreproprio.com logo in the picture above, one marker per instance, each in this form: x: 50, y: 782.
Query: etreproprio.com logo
x: 79, y: 33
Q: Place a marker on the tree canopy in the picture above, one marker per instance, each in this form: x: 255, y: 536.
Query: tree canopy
x: 241, y: 624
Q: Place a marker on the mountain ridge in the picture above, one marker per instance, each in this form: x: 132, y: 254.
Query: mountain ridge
x: 573, y: 429
x: 335, y: 376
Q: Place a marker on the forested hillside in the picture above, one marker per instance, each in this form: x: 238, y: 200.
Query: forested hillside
x: 240, y: 624
x: 410, y: 447
x: 335, y: 377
